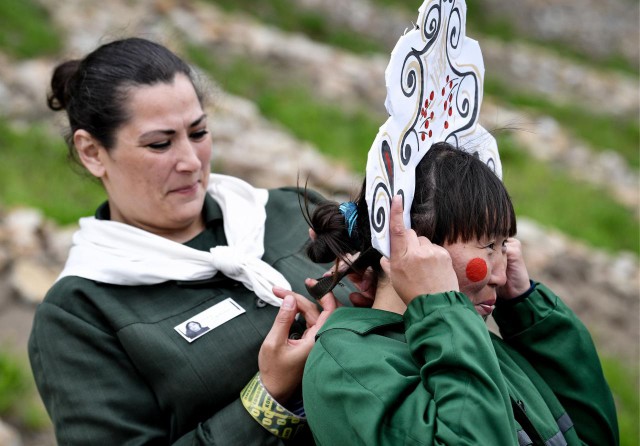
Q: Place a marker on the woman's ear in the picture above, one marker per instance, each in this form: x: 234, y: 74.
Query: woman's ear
x: 90, y: 152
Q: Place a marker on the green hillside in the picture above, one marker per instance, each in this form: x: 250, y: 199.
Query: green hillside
x: 541, y: 191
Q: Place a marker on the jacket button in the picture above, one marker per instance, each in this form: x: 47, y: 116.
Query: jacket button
x: 260, y: 303
x: 295, y: 336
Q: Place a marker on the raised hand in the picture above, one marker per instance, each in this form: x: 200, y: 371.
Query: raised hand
x: 416, y: 266
x: 281, y: 360
x: 517, y: 275
x: 366, y: 283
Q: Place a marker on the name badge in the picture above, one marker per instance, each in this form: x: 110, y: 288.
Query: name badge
x: 209, y: 319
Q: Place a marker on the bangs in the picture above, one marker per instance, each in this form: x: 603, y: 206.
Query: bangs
x: 473, y: 204
x: 466, y: 201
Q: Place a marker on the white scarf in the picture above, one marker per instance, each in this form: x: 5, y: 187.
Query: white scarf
x: 120, y: 254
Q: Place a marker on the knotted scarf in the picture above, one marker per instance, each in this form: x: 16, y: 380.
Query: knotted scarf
x: 121, y: 254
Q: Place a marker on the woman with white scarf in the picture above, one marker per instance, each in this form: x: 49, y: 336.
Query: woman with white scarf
x: 173, y: 245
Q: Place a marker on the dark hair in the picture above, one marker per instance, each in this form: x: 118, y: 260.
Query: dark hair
x: 94, y: 90
x: 457, y: 197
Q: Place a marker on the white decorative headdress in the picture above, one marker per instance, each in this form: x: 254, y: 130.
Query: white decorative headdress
x: 434, y: 90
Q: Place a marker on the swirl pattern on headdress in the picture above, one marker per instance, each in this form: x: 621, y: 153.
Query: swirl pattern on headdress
x: 434, y: 91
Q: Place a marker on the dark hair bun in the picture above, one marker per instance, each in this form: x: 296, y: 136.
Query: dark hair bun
x: 332, y: 240
x: 60, y: 83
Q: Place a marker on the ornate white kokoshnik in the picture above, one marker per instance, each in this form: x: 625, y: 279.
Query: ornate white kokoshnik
x: 434, y: 90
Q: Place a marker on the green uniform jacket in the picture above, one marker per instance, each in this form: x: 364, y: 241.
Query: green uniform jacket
x: 437, y: 376
x: 112, y: 370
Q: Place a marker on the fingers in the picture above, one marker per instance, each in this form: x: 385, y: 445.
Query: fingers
x: 281, y: 360
x: 514, y: 254
x: 415, y: 265
x: 397, y: 229
x: 517, y: 275
x: 340, y: 266
x: 281, y: 292
x: 309, y: 336
x: 364, y: 281
x: 303, y: 305
x: 360, y: 300
x: 401, y: 238
x: 386, y: 266
x: 514, y: 247
x: 328, y: 302
x: 286, y: 315
x: 308, y: 308
x: 310, y: 311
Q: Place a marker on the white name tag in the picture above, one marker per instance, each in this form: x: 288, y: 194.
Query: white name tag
x: 209, y: 319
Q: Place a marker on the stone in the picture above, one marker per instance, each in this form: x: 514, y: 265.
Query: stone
x: 9, y: 436
x: 31, y: 280
x: 23, y: 226
x: 58, y: 241
x: 5, y: 258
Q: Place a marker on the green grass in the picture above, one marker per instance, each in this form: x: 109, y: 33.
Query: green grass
x: 13, y: 382
x: 19, y: 401
x: 340, y: 134
x: 548, y: 196
x: 480, y: 23
x: 600, y: 131
x: 576, y: 208
x: 288, y: 16
x: 624, y: 383
x: 26, y: 30
x: 35, y: 172
x: 579, y: 209
x: 501, y: 28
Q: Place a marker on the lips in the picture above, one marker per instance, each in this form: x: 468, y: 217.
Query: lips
x: 486, y: 308
x: 185, y: 189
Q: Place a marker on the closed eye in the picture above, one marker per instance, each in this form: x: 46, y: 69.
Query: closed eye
x: 195, y: 136
x: 159, y: 145
x: 199, y: 135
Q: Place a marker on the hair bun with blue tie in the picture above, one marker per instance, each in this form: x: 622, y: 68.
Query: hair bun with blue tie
x: 350, y: 212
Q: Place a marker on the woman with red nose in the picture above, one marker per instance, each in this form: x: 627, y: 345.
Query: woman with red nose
x: 421, y: 367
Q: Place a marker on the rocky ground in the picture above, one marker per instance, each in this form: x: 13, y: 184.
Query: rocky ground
x: 602, y: 288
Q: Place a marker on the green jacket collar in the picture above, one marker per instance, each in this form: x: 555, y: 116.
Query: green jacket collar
x: 363, y: 320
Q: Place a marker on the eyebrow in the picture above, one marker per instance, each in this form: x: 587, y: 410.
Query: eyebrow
x: 171, y: 132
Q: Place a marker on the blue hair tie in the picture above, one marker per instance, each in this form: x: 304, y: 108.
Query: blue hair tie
x: 350, y: 212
